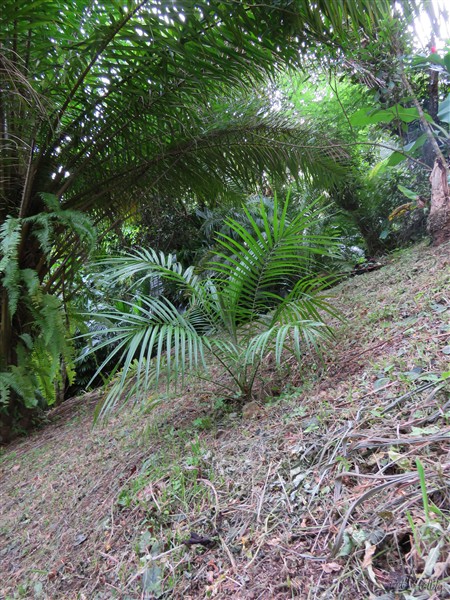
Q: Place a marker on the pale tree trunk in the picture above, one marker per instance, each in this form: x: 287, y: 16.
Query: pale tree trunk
x: 439, y: 217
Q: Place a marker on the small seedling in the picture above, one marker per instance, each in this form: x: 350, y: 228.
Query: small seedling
x: 203, y: 423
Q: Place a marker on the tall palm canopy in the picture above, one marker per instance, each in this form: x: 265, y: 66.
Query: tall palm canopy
x: 98, y: 96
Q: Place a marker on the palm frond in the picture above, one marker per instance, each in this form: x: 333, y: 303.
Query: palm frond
x: 143, y: 265
x: 300, y: 335
x: 235, y: 313
x: 154, y: 335
x: 267, y: 258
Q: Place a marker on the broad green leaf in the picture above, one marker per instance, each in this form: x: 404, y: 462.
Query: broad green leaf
x: 447, y: 62
x: 416, y: 144
x: 444, y: 110
x: 395, y: 159
x: 408, y: 193
x: 407, y: 115
x: 366, y: 116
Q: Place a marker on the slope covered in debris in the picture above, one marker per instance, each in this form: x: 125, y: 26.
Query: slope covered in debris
x: 334, y: 485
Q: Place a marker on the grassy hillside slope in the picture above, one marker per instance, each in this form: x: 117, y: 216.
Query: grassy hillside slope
x: 334, y: 485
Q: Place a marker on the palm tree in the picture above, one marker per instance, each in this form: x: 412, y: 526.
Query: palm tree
x: 258, y: 296
x: 97, y: 99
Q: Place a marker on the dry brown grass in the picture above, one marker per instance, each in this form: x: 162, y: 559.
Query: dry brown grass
x: 315, y: 495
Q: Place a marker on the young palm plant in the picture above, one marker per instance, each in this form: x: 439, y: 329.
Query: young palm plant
x: 259, y: 297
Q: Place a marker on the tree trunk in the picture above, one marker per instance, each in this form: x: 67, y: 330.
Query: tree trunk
x: 439, y: 217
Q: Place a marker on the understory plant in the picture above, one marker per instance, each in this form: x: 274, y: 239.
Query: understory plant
x: 35, y: 366
x: 256, y: 296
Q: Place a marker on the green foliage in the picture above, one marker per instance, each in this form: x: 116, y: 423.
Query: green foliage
x: 43, y: 351
x: 216, y: 222
x: 102, y: 104
x: 442, y: 65
x: 434, y: 61
x: 43, y: 356
x: 444, y: 110
x: 259, y: 298
x: 372, y: 116
x: 368, y: 193
x: 146, y: 95
x: 408, y: 193
x: 180, y: 119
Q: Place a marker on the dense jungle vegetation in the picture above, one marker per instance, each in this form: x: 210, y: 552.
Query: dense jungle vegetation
x: 182, y: 179
x: 219, y: 223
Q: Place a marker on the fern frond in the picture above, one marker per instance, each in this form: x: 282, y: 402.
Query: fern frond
x: 10, y: 232
x: 10, y: 236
